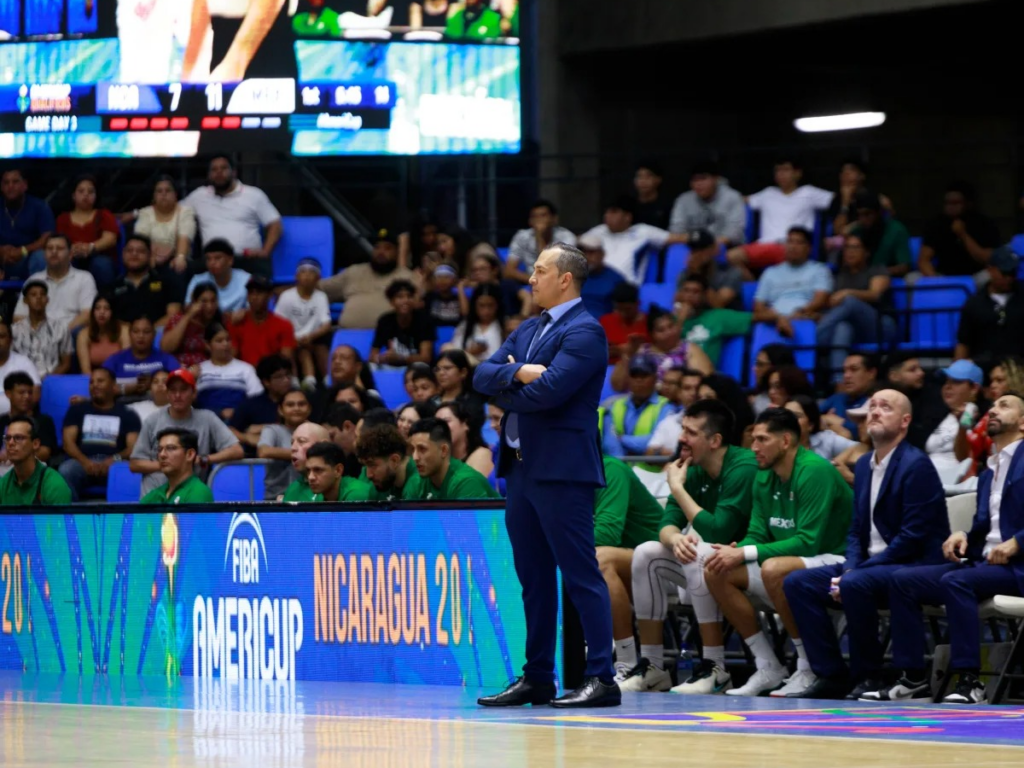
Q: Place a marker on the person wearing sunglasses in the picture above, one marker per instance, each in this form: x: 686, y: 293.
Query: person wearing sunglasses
x: 30, y: 482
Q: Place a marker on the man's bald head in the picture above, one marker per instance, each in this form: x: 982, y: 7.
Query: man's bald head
x: 305, y: 435
x: 889, y: 414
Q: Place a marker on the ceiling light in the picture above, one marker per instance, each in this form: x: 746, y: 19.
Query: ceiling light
x: 839, y: 122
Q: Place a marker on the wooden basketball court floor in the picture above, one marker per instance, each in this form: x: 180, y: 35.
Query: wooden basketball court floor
x: 107, y: 721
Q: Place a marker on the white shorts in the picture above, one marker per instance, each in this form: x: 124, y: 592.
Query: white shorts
x: 756, y: 588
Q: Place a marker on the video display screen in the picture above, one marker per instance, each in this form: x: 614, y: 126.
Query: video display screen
x: 176, y: 78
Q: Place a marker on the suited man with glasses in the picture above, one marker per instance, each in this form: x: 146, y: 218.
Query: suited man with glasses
x: 991, y: 319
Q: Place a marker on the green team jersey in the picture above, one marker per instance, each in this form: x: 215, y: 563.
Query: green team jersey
x: 44, y: 486
x: 724, y: 501
x: 192, y: 491
x: 480, y: 25
x: 350, y: 489
x: 808, y: 515
x: 625, y: 512
x: 710, y: 328
x: 299, y: 491
x: 460, y: 483
x: 390, y: 494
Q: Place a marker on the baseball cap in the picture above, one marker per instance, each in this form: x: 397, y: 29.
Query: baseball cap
x: 963, y: 370
x: 308, y: 263
x: 386, y: 236
x: 589, y: 243
x: 643, y: 365
x: 184, y: 374
x: 1005, y: 260
x: 700, y: 239
x: 35, y: 284
x: 445, y: 270
x: 259, y: 283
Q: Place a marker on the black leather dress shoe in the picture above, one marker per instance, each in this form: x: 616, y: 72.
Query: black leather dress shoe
x: 593, y: 693
x: 823, y: 688
x: 871, y: 684
x: 521, y: 692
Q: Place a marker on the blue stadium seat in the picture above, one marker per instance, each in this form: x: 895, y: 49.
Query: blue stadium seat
x: 360, y: 339
x: 502, y: 254
x: 676, y: 258
x: 304, y: 237
x: 753, y: 225
x: 915, y: 251
x: 936, y: 303
x: 662, y: 294
x: 391, y: 387
x: 804, y: 335
x: 123, y: 485
x: 1017, y: 244
x: 749, y: 289
x: 239, y: 482
x: 444, y: 335
x: 730, y: 362
x: 56, y: 397
x: 607, y: 390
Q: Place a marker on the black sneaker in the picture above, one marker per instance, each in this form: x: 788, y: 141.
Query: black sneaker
x: 969, y: 690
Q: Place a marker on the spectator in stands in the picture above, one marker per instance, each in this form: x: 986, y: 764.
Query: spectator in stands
x: 486, y: 268
x: 724, y: 287
x: 624, y: 321
x: 341, y: 421
x: 25, y: 229
x: 104, y: 336
x: 528, y: 243
x: 259, y: 333
x: 97, y: 433
x: 601, y: 280
x: 170, y: 227
x: 424, y: 384
x: 813, y: 437
x: 973, y: 441
x: 305, y: 306
x: 727, y: 391
x: 860, y: 376
x: 455, y: 382
x: 382, y: 450
x: 231, y: 211
x: 786, y: 207
x: 254, y: 413
x: 711, y: 205
x: 856, y: 307
x: 440, y: 476
x: 844, y: 211
x: 991, y: 320
x: 325, y: 474
x: 374, y: 416
x: 904, y: 372
x: 276, y: 440
x: 134, y: 368
x: 704, y: 327
x: 44, y: 341
x: 652, y: 208
x: 899, y: 520
x: 960, y: 240
x: 711, y: 498
x: 362, y: 286
x: 12, y: 362
x: 770, y: 356
x: 303, y: 438
x: 884, y: 238
x: 961, y: 385
x: 797, y: 289
x: 982, y: 562
x: 142, y: 290
x: 404, y: 335
x: 30, y: 482
x: 631, y: 421
x: 157, y: 397
x: 468, y: 444
x: 666, y: 348
x: 785, y: 383
x: 679, y: 386
x: 231, y: 283
x: 92, y: 233
x: 216, y: 442
x: 353, y: 394
x: 19, y: 390
x: 482, y: 332
x: 177, y: 451
x: 224, y: 382
x: 185, y: 334
x: 625, y: 242
x: 71, y: 290
x: 410, y: 413
x: 458, y: 246
x: 443, y: 302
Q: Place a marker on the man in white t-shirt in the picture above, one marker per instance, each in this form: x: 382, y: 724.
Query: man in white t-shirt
x: 527, y: 244
x: 71, y: 290
x: 625, y: 243
x: 229, y: 210
x: 306, y: 307
x: 11, y: 362
x: 786, y: 205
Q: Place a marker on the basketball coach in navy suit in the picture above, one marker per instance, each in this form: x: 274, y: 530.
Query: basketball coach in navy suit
x: 899, y: 519
x: 548, y: 377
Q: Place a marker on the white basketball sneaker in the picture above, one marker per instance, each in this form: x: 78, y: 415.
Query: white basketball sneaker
x: 761, y: 682
x: 707, y: 678
x: 798, y: 682
x: 646, y: 677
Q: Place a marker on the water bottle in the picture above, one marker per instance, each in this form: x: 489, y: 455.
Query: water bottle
x: 684, y: 665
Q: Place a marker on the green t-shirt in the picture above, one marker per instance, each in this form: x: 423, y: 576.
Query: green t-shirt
x: 625, y: 512
x: 299, y: 490
x: 391, y: 494
x: 44, y: 482
x: 894, y: 247
x: 711, y: 327
x: 807, y: 516
x: 351, y: 489
x: 460, y: 483
x: 192, y: 491
x: 724, y: 501
x: 485, y: 25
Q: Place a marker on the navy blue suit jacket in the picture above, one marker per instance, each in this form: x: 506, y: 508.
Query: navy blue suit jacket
x: 1011, y: 514
x: 910, y: 512
x: 557, y: 412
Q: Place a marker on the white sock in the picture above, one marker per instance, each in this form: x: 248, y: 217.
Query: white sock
x: 715, y: 653
x: 625, y: 652
x: 654, y: 654
x: 764, y: 656
x: 802, y: 664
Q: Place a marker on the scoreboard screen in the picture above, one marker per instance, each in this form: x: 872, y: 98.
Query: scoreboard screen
x: 176, y: 78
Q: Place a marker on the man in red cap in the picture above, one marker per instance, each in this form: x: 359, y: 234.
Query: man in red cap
x: 216, y: 442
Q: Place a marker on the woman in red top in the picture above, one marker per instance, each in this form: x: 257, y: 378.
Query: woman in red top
x: 185, y: 333
x: 93, y: 233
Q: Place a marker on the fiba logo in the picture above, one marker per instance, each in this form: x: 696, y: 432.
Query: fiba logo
x: 245, y: 553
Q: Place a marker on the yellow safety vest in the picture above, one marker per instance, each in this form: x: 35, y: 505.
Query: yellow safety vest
x: 644, y: 425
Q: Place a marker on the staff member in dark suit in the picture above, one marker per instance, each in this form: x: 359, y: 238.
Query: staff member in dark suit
x: 548, y: 376
x: 987, y: 561
x: 899, y: 519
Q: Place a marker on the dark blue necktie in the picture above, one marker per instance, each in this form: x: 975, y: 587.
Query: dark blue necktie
x: 545, y: 318
x: 512, y: 422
